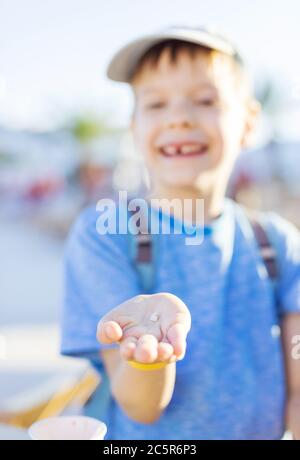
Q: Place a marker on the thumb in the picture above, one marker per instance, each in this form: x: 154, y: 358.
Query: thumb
x: 109, y: 332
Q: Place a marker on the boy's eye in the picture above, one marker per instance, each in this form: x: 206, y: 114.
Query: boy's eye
x: 155, y: 105
x: 207, y: 101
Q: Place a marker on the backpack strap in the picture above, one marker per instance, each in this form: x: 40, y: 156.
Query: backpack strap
x: 142, y: 254
x: 143, y: 243
x: 267, y: 251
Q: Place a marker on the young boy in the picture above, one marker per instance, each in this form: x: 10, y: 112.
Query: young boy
x: 201, y: 356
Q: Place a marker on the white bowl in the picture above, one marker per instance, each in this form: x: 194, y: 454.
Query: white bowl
x: 68, y: 428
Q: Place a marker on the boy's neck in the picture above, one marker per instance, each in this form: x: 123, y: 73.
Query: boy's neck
x: 213, y: 202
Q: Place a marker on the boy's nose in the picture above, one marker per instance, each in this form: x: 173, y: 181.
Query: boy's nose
x: 181, y: 117
x: 181, y: 123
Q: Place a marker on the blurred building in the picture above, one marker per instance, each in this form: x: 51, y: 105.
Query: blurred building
x: 33, y: 165
x: 269, y: 179
x: 46, y: 178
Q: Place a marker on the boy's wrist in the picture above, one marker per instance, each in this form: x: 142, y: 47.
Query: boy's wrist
x: 147, y: 367
x: 151, y: 366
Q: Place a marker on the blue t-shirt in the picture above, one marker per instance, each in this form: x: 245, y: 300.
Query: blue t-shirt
x: 231, y: 384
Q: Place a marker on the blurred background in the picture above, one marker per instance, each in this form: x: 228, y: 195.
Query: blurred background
x: 64, y: 144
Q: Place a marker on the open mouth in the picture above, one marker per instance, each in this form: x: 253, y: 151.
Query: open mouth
x: 183, y: 150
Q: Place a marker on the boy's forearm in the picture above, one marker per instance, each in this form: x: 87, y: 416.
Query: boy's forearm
x: 291, y: 329
x: 143, y: 395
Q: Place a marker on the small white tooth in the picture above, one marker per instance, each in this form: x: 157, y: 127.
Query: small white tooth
x: 190, y: 148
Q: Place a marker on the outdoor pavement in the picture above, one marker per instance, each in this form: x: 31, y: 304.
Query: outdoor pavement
x: 31, y: 368
x: 30, y: 274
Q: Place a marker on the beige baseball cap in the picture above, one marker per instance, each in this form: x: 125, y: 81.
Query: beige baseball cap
x: 123, y: 63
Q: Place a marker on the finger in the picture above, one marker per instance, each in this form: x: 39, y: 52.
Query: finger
x: 164, y: 351
x: 177, y: 337
x: 146, y: 349
x: 127, y: 347
x: 109, y: 332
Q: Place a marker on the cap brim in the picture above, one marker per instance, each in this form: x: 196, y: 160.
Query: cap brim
x: 124, y: 62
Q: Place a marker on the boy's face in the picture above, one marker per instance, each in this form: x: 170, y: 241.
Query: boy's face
x: 190, y: 119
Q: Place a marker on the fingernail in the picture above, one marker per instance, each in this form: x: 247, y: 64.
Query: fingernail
x: 109, y: 331
x: 180, y: 357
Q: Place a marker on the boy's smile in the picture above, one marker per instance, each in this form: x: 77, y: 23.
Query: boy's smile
x: 183, y: 148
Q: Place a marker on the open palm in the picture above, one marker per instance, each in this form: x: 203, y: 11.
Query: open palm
x: 149, y: 328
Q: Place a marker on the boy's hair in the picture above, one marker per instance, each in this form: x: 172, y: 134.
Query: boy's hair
x: 175, y: 47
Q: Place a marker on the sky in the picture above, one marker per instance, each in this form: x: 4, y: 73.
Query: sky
x: 53, y: 54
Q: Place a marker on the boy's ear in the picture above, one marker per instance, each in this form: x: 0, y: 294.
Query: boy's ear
x: 252, y: 116
x: 132, y: 123
x: 133, y: 112
x: 132, y: 119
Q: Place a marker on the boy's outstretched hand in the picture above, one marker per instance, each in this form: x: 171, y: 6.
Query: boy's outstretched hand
x: 149, y: 328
